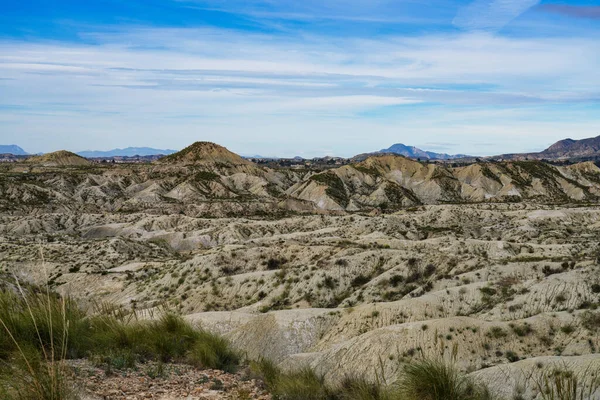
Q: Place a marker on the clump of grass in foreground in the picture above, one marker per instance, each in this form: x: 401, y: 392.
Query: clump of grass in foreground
x: 300, y: 385
x: 40, y: 319
x: 438, y: 380
x: 422, y: 380
x: 31, y: 377
x: 40, y: 330
x: 213, y: 351
x: 33, y: 343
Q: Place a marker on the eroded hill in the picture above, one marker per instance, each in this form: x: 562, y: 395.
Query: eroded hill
x: 208, y: 180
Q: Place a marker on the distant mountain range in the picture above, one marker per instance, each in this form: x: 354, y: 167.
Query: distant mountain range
x: 414, y: 152
x: 128, y: 152
x: 566, y: 149
x: 12, y: 149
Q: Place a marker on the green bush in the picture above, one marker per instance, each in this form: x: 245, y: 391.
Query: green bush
x: 212, y: 351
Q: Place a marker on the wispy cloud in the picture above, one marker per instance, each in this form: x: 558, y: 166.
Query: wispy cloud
x: 592, y: 12
x: 491, y: 15
x: 166, y: 87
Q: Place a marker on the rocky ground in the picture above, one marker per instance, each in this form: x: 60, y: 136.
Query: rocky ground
x: 163, y: 382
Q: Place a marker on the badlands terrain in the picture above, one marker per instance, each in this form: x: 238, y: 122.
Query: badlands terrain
x: 350, y: 270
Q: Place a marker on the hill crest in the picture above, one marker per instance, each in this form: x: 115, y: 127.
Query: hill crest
x: 204, y: 153
x: 59, y: 158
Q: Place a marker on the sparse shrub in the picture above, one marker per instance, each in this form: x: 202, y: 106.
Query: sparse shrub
x: 395, y: 280
x: 522, y: 330
x: 429, y: 270
x: 548, y: 270
x: 560, y: 298
x: 590, y: 320
x: 421, y: 380
x: 512, y: 356
x: 360, y: 280
x: 329, y: 282
x: 275, y: 263
x: 488, y: 291
x: 341, y: 262
x: 496, y: 332
x: 567, y: 329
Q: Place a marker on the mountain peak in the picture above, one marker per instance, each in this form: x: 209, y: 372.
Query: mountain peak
x: 571, y: 147
x: 204, y: 153
x: 415, y: 152
x: 12, y: 149
x: 561, y: 145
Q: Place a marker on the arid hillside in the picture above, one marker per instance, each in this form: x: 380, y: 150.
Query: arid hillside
x: 207, y: 180
x: 354, y: 270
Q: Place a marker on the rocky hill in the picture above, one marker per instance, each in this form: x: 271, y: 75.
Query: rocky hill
x: 204, y: 153
x: 207, y: 179
x: 60, y: 158
x: 570, y: 148
x: 567, y: 149
x: 391, y: 181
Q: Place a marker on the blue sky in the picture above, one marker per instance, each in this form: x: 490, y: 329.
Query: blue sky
x: 310, y: 78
